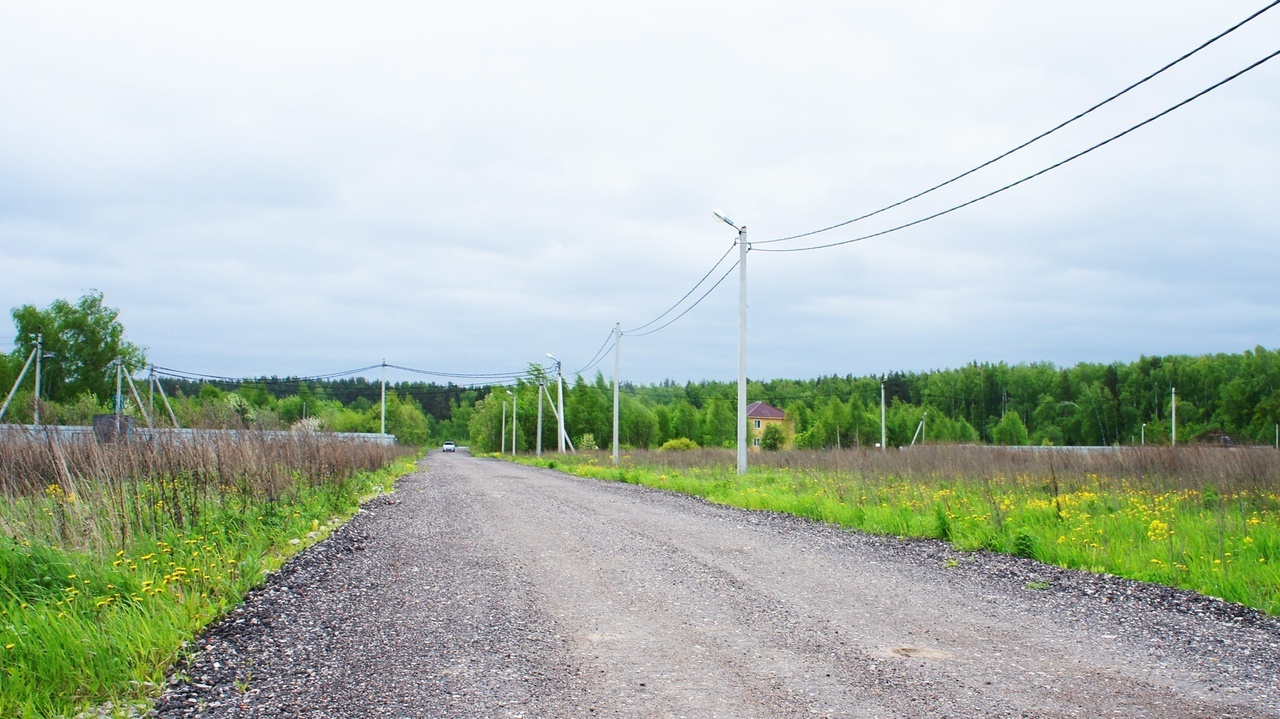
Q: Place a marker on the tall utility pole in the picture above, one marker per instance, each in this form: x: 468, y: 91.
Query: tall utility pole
x: 503, y: 434
x: 883, y: 433
x: 743, y: 246
x: 741, y: 349
x: 542, y: 383
x: 384, y: 396
x: 1173, y: 391
x: 617, y: 373
x: 559, y: 401
x: 39, y: 356
x: 515, y: 402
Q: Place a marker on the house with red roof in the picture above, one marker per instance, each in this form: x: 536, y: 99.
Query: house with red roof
x: 761, y: 415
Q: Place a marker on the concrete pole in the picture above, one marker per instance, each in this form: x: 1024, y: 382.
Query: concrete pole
x: 119, y: 393
x: 541, y: 388
x: 39, y: 356
x: 503, y: 433
x: 1144, y: 434
x: 14, y: 390
x: 1173, y: 391
x: 883, y: 432
x: 617, y: 373
x: 742, y: 350
x: 560, y: 401
x: 384, y: 396
x: 515, y: 405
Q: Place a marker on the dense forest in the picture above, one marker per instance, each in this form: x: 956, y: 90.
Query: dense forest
x: 1222, y: 398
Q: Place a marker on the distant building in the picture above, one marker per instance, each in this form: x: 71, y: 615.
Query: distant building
x: 761, y: 415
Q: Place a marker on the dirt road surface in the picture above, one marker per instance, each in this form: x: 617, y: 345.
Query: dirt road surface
x: 486, y: 589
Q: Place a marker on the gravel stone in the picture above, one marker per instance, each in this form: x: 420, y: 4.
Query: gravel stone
x: 486, y: 589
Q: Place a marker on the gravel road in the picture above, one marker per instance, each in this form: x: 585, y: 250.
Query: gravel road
x: 486, y: 589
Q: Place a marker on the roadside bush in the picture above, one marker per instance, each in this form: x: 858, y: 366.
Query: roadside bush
x: 678, y: 444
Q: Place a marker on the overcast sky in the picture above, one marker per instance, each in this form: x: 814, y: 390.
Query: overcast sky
x: 302, y: 188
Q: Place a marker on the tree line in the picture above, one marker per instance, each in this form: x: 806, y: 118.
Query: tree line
x: 1220, y: 398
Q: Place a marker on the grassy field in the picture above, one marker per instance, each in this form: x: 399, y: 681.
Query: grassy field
x: 113, y: 556
x: 1199, y: 518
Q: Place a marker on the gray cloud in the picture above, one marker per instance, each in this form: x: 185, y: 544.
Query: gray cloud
x: 298, y: 189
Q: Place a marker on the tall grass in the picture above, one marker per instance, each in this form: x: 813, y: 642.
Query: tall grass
x: 112, y: 555
x: 1200, y: 518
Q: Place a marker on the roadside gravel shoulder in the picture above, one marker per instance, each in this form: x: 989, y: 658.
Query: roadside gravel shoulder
x: 397, y: 613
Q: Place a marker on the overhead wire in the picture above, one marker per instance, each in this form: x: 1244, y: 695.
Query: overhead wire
x: 1032, y: 176
x: 1033, y: 140
x: 603, y: 352
x: 459, y: 375
x: 668, y: 323
x: 600, y: 354
x: 196, y: 376
x: 693, y: 289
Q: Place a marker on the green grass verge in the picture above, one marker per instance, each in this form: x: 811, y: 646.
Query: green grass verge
x: 78, y: 629
x: 1222, y: 545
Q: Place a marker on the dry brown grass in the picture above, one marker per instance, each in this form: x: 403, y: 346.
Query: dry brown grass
x: 1227, y: 469
x: 85, y: 493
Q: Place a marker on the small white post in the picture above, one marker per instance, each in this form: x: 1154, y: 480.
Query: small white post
x: 1144, y: 434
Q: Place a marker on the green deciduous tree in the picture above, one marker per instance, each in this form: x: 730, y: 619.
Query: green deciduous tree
x: 84, y: 338
x: 772, y: 438
x: 1011, y: 430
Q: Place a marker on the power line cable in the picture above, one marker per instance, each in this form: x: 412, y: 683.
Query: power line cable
x: 1037, y: 138
x: 460, y: 375
x: 686, y: 295
x: 600, y: 354
x: 668, y: 323
x: 197, y: 376
x: 596, y: 362
x: 1032, y: 176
